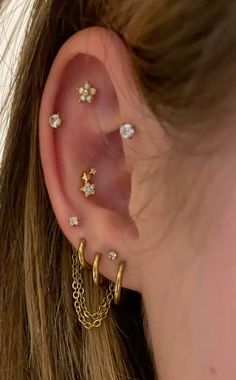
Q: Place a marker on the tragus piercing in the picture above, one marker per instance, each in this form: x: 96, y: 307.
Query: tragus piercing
x: 127, y: 131
x: 87, y: 93
x: 73, y: 221
x: 88, y: 188
x: 55, y: 121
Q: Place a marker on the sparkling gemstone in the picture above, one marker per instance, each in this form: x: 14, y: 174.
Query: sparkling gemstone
x: 88, y: 189
x: 55, y: 121
x: 127, y: 131
x: 112, y: 255
x: 73, y: 221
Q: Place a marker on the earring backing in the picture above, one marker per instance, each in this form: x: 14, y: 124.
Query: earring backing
x: 87, y: 93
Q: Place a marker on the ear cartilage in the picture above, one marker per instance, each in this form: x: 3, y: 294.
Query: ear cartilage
x: 73, y: 221
x: 55, y: 121
x: 127, y: 131
x: 112, y: 255
x: 88, y: 188
x: 87, y: 93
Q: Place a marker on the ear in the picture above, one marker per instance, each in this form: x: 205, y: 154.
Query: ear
x: 89, y: 138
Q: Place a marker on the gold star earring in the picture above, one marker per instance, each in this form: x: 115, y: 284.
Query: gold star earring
x: 89, y: 188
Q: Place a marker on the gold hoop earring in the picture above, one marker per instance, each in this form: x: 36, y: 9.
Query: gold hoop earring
x: 85, y: 317
x: 96, y: 274
x: 81, y: 254
x: 118, y: 282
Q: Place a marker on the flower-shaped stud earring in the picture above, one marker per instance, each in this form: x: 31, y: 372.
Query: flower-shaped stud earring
x: 87, y: 93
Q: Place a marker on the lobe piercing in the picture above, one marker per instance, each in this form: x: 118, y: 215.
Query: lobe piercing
x: 55, y: 121
x: 88, y: 188
x: 87, y: 93
x: 127, y: 131
x: 112, y: 255
x: 73, y: 221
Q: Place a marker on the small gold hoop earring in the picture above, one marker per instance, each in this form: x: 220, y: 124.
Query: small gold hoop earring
x: 96, y: 274
x: 81, y: 254
x: 118, y: 282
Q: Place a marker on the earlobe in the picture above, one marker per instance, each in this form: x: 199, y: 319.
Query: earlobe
x: 82, y: 151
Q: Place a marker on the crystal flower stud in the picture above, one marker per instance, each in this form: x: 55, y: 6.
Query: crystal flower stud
x: 73, y: 221
x: 112, y: 255
x: 88, y: 188
x: 87, y: 93
x: 127, y: 131
x: 55, y: 121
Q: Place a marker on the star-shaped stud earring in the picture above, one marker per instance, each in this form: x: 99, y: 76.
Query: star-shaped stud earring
x: 88, y: 188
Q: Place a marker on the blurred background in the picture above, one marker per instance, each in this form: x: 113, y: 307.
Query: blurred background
x: 13, y: 22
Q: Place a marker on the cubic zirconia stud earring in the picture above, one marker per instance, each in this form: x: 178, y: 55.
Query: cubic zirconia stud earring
x: 112, y: 255
x: 88, y: 188
x: 73, y: 221
x: 127, y: 131
x: 55, y: 121
x: 87, y: 93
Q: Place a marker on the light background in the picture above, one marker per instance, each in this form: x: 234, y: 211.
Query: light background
x: 13, y: 22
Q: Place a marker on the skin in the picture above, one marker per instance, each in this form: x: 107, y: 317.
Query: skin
x: 169, y: 214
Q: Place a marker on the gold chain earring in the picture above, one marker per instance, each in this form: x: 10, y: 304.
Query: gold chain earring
x: 92, y: 319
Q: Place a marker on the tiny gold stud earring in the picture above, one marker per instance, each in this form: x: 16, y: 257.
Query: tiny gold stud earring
x: 88, y: 188
x: 87, y: 93
x: 112, y: 255
x: 55, y: 121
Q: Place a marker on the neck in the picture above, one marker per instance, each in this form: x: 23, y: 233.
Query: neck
x: 189, y: 288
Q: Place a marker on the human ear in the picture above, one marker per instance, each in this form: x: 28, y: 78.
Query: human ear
x: 88, y: 138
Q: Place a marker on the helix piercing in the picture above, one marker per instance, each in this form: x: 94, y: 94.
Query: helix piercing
x: 127, y: 131
x: 96, y: 274
x: 89, y: 188
x: 73, y: 221
x: 118, y: 282
x: 87, y: 93
x: 55, y: 121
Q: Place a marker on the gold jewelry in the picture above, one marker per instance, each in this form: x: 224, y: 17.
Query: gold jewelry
x: 96, y: 274
x: 73, y: 221
x: 88, y: 319
x: 118, y: 282
x: 87, y: 93
x: 81, y: 254
x: 88, y: 188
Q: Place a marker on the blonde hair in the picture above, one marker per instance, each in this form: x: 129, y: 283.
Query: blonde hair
x: 173, y: 50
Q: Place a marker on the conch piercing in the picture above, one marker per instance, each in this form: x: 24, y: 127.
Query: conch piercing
x: 87, y: 93
x: 127, y: 131
x: 88, y: 188
x: 55, y: 121
x: 73, y: 221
